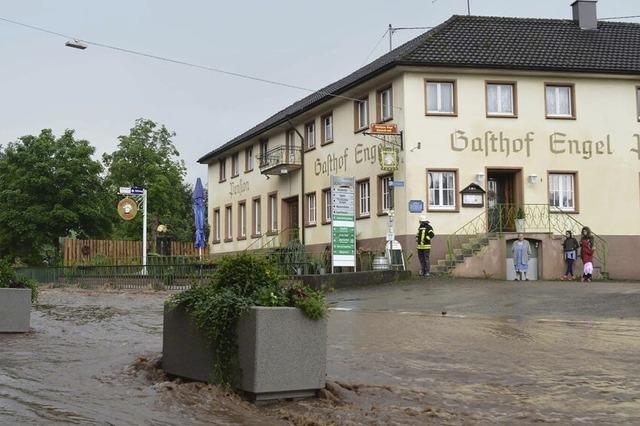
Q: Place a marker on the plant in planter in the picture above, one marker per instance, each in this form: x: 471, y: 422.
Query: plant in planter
x: 250, y: 332
x: 17, y: 293
x: 520, y: 220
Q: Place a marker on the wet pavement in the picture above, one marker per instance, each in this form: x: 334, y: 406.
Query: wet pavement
x: 425, y: 352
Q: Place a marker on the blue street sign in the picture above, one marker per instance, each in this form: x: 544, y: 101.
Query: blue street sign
x: 416, y: 206
x: 397, y: 183
x: 137, y: 190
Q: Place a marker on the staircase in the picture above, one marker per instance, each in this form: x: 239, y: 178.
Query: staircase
x: 493, y: 223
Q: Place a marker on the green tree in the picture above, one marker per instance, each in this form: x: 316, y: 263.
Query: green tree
x: 49, y: 188
x: 146, y: 157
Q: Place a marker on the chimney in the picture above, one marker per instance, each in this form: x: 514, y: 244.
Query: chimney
x: 585, y: 14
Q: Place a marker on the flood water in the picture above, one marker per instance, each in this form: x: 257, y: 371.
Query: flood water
x: 393, y: 358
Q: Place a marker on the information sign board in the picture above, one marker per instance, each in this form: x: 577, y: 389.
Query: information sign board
x: 343, y: 221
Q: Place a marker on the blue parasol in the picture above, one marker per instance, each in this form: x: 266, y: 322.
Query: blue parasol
x: 198, y: 213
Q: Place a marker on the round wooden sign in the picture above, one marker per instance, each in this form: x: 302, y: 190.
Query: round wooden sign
x: 127, y: 208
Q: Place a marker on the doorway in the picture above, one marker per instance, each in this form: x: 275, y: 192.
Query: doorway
x: 290, y: 220
x: 504, y: 196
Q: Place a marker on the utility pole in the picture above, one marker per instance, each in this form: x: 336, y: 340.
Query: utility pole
x: 390, y: 36
x: 469, y: 7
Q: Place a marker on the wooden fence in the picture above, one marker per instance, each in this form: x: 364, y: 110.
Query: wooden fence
x: 86, y: 252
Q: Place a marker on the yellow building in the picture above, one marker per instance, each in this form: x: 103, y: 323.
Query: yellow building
x: 542, y: 114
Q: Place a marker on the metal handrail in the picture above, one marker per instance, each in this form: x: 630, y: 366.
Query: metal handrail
x: 502, y: 218
x: 282, y: 154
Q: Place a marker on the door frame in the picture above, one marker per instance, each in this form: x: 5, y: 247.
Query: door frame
x: 285, y: 210
x: 518, y: 186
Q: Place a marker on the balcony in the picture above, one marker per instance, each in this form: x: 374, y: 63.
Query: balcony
x: 281, y: 160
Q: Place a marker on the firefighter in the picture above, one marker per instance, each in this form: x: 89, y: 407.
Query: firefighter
x: 423, y: 240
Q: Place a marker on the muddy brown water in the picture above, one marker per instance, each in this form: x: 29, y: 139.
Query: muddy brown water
x: 92, y: 359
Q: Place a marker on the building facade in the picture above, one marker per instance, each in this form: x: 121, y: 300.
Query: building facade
x: 543, y: 115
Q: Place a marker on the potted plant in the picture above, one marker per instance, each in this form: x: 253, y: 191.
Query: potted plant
x: 244, y: 329
x: 16, y: 295
x: 520, y: 220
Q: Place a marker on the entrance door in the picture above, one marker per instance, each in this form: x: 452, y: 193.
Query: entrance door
x: 290, y: 220
x: 504, y: 195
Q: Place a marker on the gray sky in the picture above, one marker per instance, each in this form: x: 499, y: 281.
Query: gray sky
x: 101, y: 92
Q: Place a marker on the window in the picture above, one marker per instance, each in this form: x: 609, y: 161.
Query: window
x: 242, y: 220
x: 326, y: 205
x: 361, y: 114
x: 385, y: 105
x: 441, y: 97
x: 638, y: 102
x: 273, y: 212
x: 223, y: 169
x: 291, y: 146
x: 442, y: 189
x: 235, y: 164
x: 559, y: 99
x: 327, y: 129
x: 228, y: 229
x: 363, y: 198
x: 248, y: 159
x: 216, y: 225
x: 264, y: 147
x: 562, y: 191
x: 385, y: 194
x: 501, y: 99
x: 311, y: 208
x: 310, y: 134
x: 257, y: 217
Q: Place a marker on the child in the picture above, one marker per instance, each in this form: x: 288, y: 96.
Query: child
x: 570, y: 246
x: 586, y: 252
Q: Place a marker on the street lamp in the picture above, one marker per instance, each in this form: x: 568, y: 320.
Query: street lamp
x: 76, y: 44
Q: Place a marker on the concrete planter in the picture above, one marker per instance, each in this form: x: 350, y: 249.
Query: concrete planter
x: 282, y: 353
x: 15, y: 310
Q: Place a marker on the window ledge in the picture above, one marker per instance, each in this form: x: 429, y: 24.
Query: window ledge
x: 256, y: 235
x: 560, y: 117
x: 326, y: 222
x: 564, y: 211
x: 309, y: 225
x: 223, y: 180
x: 436, y: 210
x: 215, y: 242
x: 248, y: 171
x: 326, y: 142
x: 502, y: 115
x: 361, y: 129
x: 309, y: 149
x: 365, y: 216
x: 272, y: 233
x: 384, y: 120
x: 228, y: 240
x: 241, y: 238
x: 442, y: 114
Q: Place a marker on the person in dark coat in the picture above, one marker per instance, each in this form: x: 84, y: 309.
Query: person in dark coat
x: 587, y: 250
x: 423, y: 240
x: 570, y: 248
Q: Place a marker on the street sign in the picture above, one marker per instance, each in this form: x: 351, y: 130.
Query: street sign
x: 416, y: 206
x: 343, y: 223
x: 397, y: 183
x: 133, y: 190
x: 383, y: 129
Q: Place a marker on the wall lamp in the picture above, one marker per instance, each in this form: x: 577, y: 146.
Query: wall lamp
x: 480, y: 178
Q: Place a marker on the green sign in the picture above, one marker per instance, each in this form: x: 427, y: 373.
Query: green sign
x: 343, y: 221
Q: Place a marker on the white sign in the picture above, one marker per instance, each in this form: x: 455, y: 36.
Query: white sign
x: 343, y: 222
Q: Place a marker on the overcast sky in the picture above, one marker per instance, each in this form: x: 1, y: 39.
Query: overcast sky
x: 100, y: 92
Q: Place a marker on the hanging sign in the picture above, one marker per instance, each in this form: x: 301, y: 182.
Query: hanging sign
x: 343, y: 221
x: 127, y: 208
x: 389, y: 158
x: 383, y: 129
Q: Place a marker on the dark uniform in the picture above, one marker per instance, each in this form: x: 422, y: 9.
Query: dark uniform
x: 423, y: 239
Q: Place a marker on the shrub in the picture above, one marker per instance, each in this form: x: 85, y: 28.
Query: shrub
x: 9, y: 279
x: 239, y: 282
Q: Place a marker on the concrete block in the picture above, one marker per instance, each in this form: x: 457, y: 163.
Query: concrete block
x: 15, y: 310
x: 281, y: 353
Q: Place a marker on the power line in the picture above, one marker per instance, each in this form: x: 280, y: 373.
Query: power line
x: 375, y: 47
x: 619, y: 17
x: 180, y: 62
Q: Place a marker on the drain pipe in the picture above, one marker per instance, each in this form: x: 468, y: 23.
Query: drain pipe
x: 303, y: 228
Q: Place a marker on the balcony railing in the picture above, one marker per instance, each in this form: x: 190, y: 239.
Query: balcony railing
x: 281, y: 160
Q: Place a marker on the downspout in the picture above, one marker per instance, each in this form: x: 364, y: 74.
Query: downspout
x: 303, y: 228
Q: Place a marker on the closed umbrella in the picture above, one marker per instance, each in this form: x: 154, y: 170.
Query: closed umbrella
x: 198, y: 215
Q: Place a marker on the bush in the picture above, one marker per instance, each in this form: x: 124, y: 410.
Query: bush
x: 9, y: 279
x: 239, y: 282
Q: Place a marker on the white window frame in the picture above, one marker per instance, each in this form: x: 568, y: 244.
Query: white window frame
x: 311, y: 209
x: 362, y: 113
x: 327, y: 205
x: 388, y: 105
x: 327, y: 124
x: 264, y: 148
x: 441, y: 190
x: 235, y: 164
x: 499, y: 111
x: 556, y: 179
x: 216, y: 225
x: 228, y: 212
x: 364, y: 198
x: 556, y: 94
x: 439, y: 85
x: 222, y: 164
x: 242, y: 212
x: 257, y: 217
x: 249, y: 159
x: 310, y: 134
x: 273, y: 212
x: 387, y: 195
